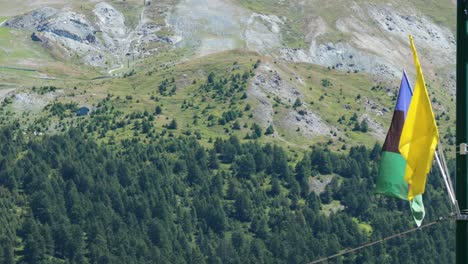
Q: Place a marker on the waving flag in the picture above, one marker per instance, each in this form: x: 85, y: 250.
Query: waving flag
x: 391, y: 178
x: 409, y: 148
x: 419, y: 136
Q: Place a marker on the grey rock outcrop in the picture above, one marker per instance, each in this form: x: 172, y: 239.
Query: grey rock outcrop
x: 33, y: 20
x: 69, y: 25
x: 72, y: 31
x: 103, y: 41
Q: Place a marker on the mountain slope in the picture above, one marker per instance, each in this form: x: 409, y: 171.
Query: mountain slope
x: 364, y: 48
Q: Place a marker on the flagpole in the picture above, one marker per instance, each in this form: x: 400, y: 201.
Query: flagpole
x: 462, y: 130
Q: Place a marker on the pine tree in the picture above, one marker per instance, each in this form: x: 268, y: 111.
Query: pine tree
x: 364, y: 126
x: 172, y: 124
x: 297, y: 103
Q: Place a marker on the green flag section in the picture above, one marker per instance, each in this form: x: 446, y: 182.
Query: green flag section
x: 391, y: 177
x: 417, y: 209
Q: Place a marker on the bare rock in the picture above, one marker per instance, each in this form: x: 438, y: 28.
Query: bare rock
x: 69, y: 25
x: 32, y: 20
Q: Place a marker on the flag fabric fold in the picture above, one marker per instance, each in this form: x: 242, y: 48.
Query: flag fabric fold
x: 419, y: 136
x: 417, y: 209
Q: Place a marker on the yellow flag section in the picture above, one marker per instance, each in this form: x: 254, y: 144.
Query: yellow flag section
x: 419, y: 136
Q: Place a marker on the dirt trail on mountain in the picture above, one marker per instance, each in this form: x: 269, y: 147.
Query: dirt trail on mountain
x: 116, y: 69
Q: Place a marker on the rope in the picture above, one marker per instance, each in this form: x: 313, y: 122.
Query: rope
x: 447, y: 184
x: 455, y: 206
x: 383, y: 239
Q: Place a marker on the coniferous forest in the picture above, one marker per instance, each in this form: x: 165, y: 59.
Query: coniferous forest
x: 67, y: 199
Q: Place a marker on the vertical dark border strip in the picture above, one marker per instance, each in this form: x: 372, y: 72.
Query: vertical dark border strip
x: 462, y: 110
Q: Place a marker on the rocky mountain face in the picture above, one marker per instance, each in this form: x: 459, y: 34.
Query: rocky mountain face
x: 101, y: 40
x: 371, y: 38
x: 376, y: 43
x: 374, y: 38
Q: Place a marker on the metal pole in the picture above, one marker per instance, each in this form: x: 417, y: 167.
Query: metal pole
x: 462, y: 130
